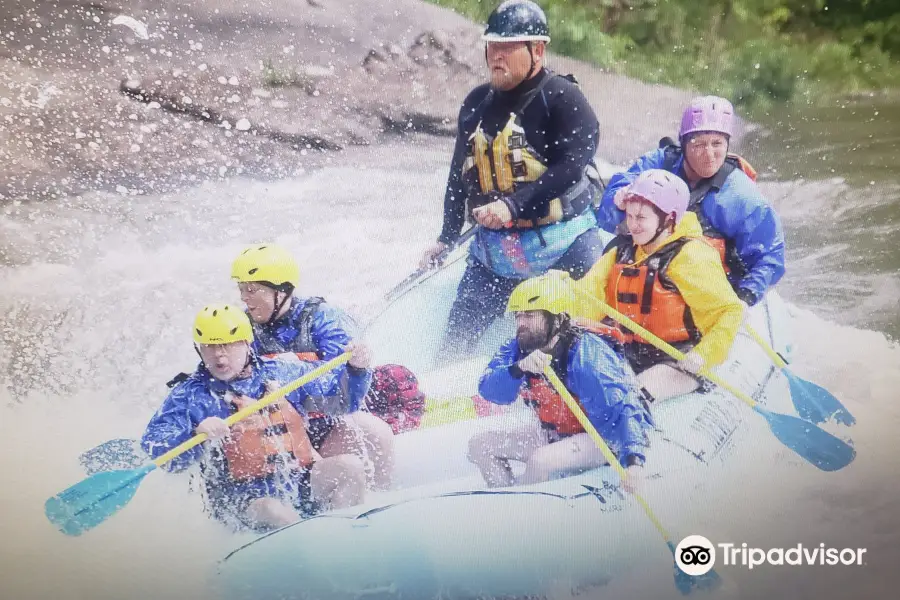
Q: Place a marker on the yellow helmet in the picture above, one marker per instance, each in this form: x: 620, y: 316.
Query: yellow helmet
x: 546, y: 292
x: 222, y: 324
x: 266, y: 263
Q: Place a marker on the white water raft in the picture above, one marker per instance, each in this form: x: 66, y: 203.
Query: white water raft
x: 442, y: 534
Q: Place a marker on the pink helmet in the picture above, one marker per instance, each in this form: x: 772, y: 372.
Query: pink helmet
x: 707, y: 113
x: 666, y: 191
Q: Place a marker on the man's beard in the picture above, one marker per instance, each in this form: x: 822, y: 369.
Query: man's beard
x: 529, y: 341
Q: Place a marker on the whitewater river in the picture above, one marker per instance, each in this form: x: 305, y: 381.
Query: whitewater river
x: 840, y: 200
x: 95, y: 316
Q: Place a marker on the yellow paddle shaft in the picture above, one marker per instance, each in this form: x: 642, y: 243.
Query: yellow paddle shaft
x: 773, y: 356
x: 257, y: 406
x: 560, y: 388
x: 661, y: 345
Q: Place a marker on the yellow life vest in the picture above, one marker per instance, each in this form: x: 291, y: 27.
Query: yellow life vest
x: 501, y: 165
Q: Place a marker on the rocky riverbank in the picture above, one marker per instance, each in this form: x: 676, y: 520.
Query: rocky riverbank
x: 140, y: 96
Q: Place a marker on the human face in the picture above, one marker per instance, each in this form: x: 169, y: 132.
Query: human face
x: 510, y: 62
x: 260, y: 301
x: 642, y: 220
x: 225, y: 361
x: 705, y: 153
x: 533, y: 328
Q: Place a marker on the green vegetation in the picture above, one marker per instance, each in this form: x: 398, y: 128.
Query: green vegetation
x: 754, y: 52
x: 277, y: 76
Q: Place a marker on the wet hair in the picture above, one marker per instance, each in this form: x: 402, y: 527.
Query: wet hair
x: 640, y: 199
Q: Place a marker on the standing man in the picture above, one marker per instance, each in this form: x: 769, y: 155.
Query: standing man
x: 523, y: 170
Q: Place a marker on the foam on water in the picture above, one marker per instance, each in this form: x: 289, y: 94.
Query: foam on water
x: 95, y: 318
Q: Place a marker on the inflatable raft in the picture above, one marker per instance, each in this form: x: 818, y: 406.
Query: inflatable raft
x: 441, y: 534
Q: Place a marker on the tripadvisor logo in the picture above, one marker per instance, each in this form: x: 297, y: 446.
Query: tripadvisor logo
x: 696, y: 555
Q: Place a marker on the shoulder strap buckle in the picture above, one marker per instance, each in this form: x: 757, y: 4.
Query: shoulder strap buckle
x: 180, y: 378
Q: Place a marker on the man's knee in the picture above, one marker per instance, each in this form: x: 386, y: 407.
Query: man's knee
x: 341, y: 469
x: 663, y: 381
x: 270, y: 512
x: 338, y: 481
x: 482, y: 446
x: 377, y: 432
x: 541, y: 463
x: 379, y: 447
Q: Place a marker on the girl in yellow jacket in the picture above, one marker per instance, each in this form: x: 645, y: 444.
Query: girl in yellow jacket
x: 668, y: 280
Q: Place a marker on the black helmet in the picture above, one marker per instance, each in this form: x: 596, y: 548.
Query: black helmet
x: 517, y: 21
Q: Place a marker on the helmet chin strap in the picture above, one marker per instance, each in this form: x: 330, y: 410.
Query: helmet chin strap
x: 531, y: 56
x: 556, y: 328
x: 662, y: 227
x: 277, y: 306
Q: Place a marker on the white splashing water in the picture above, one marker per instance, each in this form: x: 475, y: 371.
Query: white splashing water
x: 96, y: 315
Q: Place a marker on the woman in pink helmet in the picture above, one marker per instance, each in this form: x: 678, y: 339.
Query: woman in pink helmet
x: 668, y: 279
x: 734, y: 216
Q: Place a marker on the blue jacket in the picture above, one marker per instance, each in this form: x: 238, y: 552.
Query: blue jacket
x: 737, y: 211
x: 596, y: 375
x: 201, y: 396
x: 329, y: 331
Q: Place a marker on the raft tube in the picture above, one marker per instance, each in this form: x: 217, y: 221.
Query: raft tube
x: 442, y: 534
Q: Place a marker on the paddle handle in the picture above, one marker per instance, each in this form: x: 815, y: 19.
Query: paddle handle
x: 770, y: 352
x: 573, y: 405
x: 662, y: 345
x: 411, y: 278
x: 257, y: 406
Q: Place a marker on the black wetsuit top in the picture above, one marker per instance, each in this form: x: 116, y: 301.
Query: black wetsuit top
x: 559, y: 124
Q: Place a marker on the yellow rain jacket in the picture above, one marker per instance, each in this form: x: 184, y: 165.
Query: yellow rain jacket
x: 679, y: 293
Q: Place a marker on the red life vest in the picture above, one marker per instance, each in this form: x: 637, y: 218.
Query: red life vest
x: 611, y: 332
x: 537, y: 392
x: 550, y: 407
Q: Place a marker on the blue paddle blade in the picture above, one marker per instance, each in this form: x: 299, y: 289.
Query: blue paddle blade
x: 684, y: 582
x: 688, y: 583
x: 816, y: 404
x: 93, y: 500
x: 117, y: 454
x: 815, y: 445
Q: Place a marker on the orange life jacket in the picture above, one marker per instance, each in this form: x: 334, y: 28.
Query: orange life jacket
x: 744, y: 166
x: 258, y: 450
x: 647, y: 296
